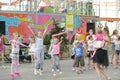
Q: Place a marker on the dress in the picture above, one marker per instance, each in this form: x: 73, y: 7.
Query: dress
x: 101, y: 56
x: 32, y: 49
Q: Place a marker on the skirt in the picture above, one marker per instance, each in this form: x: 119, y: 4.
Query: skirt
x: 101, y: 57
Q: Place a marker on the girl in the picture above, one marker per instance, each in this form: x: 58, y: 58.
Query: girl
x: 98, y: 40
x: 113, y: 40
x: 117, y: 48
x: 15, y: 55
x: 100, y: 58
x: 90, y: 34
x: 2, y: 50
x: 90, y: 50
x: 55, y: 49
x: 32, y: 50
x: 54, y: 34
x: 39, y: 49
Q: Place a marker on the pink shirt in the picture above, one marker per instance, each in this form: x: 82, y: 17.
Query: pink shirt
x: 55, y: 48
x: 1, y: 45
x: 99, y: 37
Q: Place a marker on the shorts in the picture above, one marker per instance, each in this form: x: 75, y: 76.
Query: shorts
x: 113, y: 46
x: 14, y: 55
x: 80, y: 61
x: 117, y: 52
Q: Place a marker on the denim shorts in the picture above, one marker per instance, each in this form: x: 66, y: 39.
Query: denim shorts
x: 113, y: 46
x: 117, y: 52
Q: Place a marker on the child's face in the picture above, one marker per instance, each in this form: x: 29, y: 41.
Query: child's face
x: 77, y: 44
x: 91, y: 31
x: 16, y: 37
x: 40, y: 34
x: 56, y: 41
x: 91, y: 38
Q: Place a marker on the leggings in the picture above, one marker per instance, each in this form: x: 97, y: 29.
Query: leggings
x: 39, y: 59
x: 14, y: 64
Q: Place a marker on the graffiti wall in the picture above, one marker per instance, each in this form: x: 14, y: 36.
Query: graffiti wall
x: 18, y: 22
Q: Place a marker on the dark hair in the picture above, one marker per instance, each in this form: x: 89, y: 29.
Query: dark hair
x: 107, y: 30
x: 90, y: 37
x: 114, y: 32
x: 118, y: 37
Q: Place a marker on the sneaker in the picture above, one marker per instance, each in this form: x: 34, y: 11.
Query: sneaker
x: 60, y: 72
x: 12, y: 76
x: 52, y: 70
x: 108, y: 78
x: 73, y: 69
x: 40, y: 71
x: 35, y: 71
x: 54, y: 74
x: 17, y: 73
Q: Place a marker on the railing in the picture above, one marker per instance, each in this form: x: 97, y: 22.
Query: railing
x: 50, y: 6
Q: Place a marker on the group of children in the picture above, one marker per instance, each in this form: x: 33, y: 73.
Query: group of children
x: 36, y: 50
x: 92, y: 45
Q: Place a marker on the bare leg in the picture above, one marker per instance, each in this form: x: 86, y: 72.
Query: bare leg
x: 98, y: 71
x: 112, y: 56
x: 2, y: 54
x: 104, y: 73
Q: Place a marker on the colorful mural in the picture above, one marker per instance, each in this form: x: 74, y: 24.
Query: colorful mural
x: 20, y: 22
x: 16, y: 22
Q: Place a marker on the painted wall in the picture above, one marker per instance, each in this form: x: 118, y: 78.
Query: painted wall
x: 18, y: 22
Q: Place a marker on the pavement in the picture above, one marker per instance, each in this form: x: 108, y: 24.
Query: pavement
x: 26, y: 70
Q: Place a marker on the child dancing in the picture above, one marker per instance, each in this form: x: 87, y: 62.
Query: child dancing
x: 15, y: 55
x: 55, y: 49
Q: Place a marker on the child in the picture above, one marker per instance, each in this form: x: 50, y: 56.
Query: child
x: 39, y: 51
x: 32, y: 50
x: 78, y: 49
x: 90, y: 50
x: 114, y: 38
x: 55, y: 49
x: 1, y: 50
x: 15, y: 55
x: 77, y: 38
x: 98, y: 40
x: 117, y: 48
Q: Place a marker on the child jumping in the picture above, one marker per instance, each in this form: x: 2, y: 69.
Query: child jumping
x: 15, y: 43
x: 55, y: 49
x: 39, y: 49
x: 90, y: 49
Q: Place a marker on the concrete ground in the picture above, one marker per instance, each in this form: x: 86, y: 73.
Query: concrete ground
x: 26, y: 71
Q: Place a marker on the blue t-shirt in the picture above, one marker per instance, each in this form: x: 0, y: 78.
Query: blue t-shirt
x: 78, y: 51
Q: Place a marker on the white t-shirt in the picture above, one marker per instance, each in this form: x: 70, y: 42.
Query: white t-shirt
x: 15, y: 46
x: 117, y: 45
x: 114, y: 38
x: 90, y: 45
